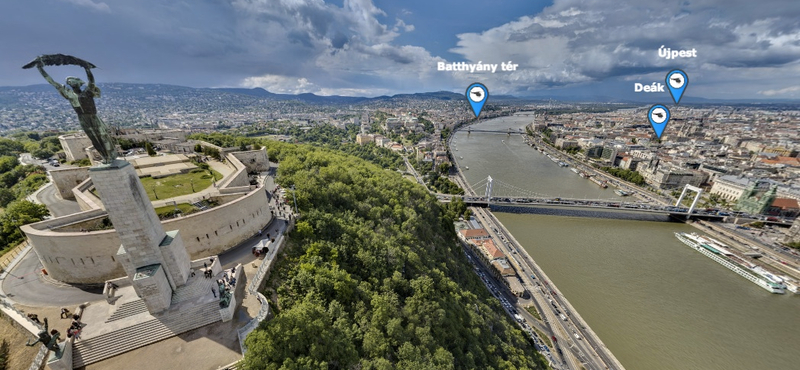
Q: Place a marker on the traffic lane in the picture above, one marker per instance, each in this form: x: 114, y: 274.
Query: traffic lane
x: 507, y: 243
x: 559, y: 331
x: 25, y: 285
x: 243, y: 252
x: 58, y: 207
x: 499, y: 293
x: 586, y: 342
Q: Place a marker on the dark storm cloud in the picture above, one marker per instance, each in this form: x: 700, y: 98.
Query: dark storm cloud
x: 575, y: 41
x: 352, y: 48
x: 206, y: 42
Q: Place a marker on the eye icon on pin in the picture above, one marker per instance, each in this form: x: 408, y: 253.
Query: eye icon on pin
x: 676, y: 82
x: 476, y: 96
x: 658, y: 115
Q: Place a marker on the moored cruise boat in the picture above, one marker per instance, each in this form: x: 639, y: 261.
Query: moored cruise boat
x: 573, y: 169
x: 621, y: 192
x: 602, y: 183
x: 715, y: 250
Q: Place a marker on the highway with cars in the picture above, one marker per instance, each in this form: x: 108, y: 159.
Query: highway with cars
x: 578, y: 345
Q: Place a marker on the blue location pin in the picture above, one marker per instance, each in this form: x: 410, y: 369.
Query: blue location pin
x: 676, y: 83
x: 477, y: 94
x: 658, y: 116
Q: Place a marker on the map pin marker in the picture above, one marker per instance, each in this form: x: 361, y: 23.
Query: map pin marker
x: 676, y: 82
x: 477, y: 94
x: 658, y: 116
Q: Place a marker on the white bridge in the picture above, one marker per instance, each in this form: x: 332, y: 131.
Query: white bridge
x: 496, y: 192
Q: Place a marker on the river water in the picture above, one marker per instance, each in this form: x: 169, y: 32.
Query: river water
x: 655, y: 302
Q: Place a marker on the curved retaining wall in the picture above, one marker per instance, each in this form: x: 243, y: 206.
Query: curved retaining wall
x: 90, y: 257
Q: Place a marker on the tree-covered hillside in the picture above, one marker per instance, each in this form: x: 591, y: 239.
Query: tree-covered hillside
x: 373, y: 278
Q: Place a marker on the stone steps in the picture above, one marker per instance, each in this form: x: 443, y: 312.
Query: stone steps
x: 128, y: 309
x: 101, y: 347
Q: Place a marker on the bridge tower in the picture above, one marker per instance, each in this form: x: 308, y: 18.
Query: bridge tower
x: 489, y: 185
x: 694, y: 202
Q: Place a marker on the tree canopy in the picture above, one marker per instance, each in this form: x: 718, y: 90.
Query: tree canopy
x: 373, y: 278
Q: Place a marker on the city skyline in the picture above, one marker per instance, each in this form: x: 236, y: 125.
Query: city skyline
x: 371, y: 48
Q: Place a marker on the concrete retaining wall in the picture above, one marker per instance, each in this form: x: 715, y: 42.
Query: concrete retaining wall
x: 89, y: 257
x: 68, y: 178
x: 253, y: 160
x: 86, y: 200
x: 239, y: 177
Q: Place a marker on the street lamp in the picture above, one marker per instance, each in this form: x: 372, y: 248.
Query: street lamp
x: 191, y: 181
x: 154, y: 191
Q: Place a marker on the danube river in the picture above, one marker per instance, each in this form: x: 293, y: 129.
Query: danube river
x: 656, y: 303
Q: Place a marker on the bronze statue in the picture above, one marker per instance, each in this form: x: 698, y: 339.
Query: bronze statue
x: 82, y: 101
x: 224, y: 294
x: 49, y: 339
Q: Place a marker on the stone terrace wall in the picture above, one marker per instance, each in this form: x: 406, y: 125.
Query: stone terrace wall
x: 68, y: 178
x: 89, y: 257
x: 253, y: 160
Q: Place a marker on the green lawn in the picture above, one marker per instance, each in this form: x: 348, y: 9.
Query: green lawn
x: 169, y: 211
x: 543, y: 336
x: 177, y: 185
x: 534, y: 312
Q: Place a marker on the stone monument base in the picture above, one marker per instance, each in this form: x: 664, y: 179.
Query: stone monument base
x: 126, y: 324
x: 62, y: 361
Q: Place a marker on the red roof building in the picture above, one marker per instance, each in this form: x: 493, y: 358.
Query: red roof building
x: 474, y: 234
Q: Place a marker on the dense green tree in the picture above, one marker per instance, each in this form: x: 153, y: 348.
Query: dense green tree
x: 212, y: 152
x: 43, y: 153
x: 6, y: 196
x: 127, y: 144
x: 19, y: 213
x: 627, y: 175
x: 218, y: 138
x: 7, y: 163
x: 149, y: 148
x: 373, y: 278
x: 11, y: 147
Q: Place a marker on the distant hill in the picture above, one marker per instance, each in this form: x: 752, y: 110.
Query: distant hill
x: 336, y: 99
x: 8, y: 98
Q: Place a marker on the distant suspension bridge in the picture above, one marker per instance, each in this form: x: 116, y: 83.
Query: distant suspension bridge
x: 493, y: 191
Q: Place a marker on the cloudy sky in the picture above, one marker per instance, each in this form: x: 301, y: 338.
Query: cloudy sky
x: 745, y: 49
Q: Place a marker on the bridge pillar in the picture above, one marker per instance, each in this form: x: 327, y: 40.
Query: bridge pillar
x: 489, y: 185
x: 698, y: 192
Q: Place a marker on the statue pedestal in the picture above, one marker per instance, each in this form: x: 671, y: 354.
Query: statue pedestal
x: 63, y: 362
x: 156, y: 261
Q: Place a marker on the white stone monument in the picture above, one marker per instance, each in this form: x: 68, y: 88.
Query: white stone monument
x: 156, y: 261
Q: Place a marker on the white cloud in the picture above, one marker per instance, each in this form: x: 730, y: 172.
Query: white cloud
x: 100, y: 7
x: 574, y: 41
x: 281, y: 84
x: 341, y: 49
x: 785, y: 91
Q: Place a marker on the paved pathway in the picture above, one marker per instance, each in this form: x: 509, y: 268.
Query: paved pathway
x: 58, y: 207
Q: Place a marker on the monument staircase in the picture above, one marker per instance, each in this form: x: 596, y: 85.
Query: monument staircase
x: 130, y: 326
x: 110, y: 344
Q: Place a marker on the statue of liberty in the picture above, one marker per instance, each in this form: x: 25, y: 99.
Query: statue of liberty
x: 82, y: 101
